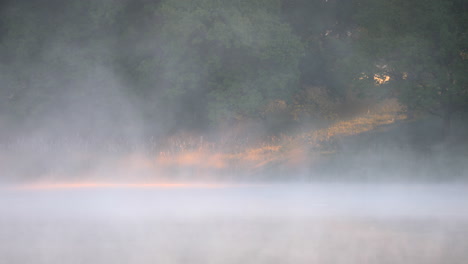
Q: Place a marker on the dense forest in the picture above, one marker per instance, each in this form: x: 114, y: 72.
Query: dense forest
x: 150, y: 69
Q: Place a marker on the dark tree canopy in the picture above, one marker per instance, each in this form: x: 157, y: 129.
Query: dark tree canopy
x: 200, y: 63
x: 421, y: 46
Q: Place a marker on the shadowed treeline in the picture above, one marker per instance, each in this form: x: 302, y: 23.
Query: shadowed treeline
x: 204, y: 87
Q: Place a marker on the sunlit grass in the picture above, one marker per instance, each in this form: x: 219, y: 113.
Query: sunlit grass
x: 186, y: 156
x: 288, y: 150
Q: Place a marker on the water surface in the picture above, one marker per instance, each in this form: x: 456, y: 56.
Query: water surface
x: 276, y: 223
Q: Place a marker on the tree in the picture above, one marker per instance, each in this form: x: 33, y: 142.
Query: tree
x: 50, y: 57
x: 225, y: 58
x: 422, y: 47
x: 325, y: 28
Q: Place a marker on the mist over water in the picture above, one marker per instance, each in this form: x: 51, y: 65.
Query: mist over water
x: 205, y: 131
x: 292, y: 223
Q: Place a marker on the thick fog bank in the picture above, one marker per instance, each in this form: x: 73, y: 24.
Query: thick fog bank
x: 237, y: 224
x: 256, y: 200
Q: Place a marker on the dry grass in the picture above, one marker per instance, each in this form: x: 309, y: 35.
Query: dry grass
x: 196, y: 157
x: 204, y: 157
x: 200, y: 159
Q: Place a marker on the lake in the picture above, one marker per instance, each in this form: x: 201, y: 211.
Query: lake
x: 256, y: 223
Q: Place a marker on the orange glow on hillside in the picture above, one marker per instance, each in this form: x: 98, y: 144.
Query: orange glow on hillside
x: 199, y: 158
x: 191, y: 159
x: 204, y: 158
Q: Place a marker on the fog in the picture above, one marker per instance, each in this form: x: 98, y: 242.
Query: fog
x: 205, y: 131
x: 313, y: 223
x: 149, y: 90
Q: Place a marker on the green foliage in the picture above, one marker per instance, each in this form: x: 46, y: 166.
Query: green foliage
x: 233, y: 56
x: 325, y: 29
x: 48, y: 50
x: 206, y: 61
x: 420, y: 45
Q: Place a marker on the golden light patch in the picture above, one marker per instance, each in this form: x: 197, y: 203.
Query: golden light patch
x: 293, y: 151
x: 200, y: 158
x: 381, y: 78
